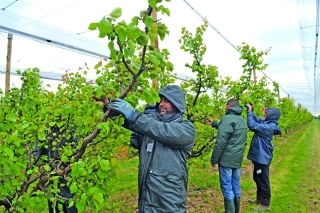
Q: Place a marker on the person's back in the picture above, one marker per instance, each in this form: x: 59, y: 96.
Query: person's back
x: 261, y: 148
x: 52, y: 153
x: 228, y: 153
x: 261, y: 153
x: 232, y: 137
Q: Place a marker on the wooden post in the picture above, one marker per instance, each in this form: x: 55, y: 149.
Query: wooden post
x: 8, y: 66
x: 155, y: 82
x: 254, y: 76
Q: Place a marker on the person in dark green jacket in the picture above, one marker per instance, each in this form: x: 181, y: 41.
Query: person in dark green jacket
x: 165, y: 148
x: 228, y: 153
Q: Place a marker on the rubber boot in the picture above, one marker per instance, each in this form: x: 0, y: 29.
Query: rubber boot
x: 229, y: 206
x: 237, y: 204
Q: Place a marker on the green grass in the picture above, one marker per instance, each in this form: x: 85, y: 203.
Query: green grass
x: 293, y: 168
x: 294, y: 176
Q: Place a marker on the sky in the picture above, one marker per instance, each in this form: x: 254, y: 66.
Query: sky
x: 285, y: 26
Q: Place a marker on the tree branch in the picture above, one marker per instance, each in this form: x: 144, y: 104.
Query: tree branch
x: 198, y: 153
x: 123, y: 59
x: 198, y: 93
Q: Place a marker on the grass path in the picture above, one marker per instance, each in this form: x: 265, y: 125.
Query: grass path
x: 294, y: 175
x: 295, y: 172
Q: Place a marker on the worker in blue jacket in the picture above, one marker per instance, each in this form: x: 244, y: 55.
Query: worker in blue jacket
x: 261, y: 152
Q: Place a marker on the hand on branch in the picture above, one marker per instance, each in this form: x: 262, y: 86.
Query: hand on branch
x: 208, y: 121
x: 122, y: 106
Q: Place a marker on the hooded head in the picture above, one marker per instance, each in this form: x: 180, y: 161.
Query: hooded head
x: 272, y: 114
x: 175, y: 95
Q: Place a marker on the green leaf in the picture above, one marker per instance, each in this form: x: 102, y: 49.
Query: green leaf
x: 47, y: 167
x: 132, y: 45
x: 98, y: 197
x: 148, y: 21
x: 105, y: 165
x: 98, y: 92
x: 73, y: 188
x: 154, y: 60
x: 133, y: 32
x: 127, y: 53
x: 148, y: 96
x: 41, y: 135
x: 17, y: 143
x: 12, y: 138
x: 4, y: 127
x: 121, y: 33
x: 24, y: 126
x: 98, y: 65
x: 93, y: 26
x: 104, y: 126
x: 64, y: 158
x: 29, y: 171
x: 142, y: 40
x: 11, y: 117
x: 105, y: 27
x: 52, y: 124
x: 152, y: 36
x: 80, y: 206
x: 135, y: 21
x: 152, y: 3
x: 102, y: 174
x: 166, y: 11
x: 71, y: 203
x: 84, y: 197
x: 116, y: 13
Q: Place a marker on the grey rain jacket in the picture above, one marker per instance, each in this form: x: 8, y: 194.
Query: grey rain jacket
x: 261, y: 148
x: 166, y: 146
x: 231, y: 139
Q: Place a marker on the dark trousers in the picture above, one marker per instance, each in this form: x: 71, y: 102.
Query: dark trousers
x: 261, y: 177
x: 64, y: 206
x: 64, y: 192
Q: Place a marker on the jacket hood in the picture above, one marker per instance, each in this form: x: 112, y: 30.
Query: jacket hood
x: 175, y: 95
x: 235, y: 110
x: 272, y: 114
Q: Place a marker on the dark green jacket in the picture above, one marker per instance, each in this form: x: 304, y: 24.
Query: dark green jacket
x: 231, y: 139
x: 165, y: 149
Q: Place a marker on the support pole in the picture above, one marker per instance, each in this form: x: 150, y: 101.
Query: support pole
x: 8, y: 66
x: 155, y: 82
x: 254, y: 76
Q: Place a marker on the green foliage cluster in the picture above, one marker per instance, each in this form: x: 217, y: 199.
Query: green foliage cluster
x: 292, y: 116
x: 29, y: 115
x: 205, y: 99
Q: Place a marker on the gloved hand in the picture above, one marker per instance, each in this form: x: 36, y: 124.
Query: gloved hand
x: 121, y: 106
x: 277, y: 132
x: 249, y: 107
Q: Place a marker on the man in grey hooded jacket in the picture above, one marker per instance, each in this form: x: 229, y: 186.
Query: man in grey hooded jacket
x: 166, y: 146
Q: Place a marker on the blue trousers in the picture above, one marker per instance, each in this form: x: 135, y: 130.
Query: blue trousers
x: 230, y: 182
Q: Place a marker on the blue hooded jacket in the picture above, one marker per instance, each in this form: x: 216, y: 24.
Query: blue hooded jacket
x: 261, y: 147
